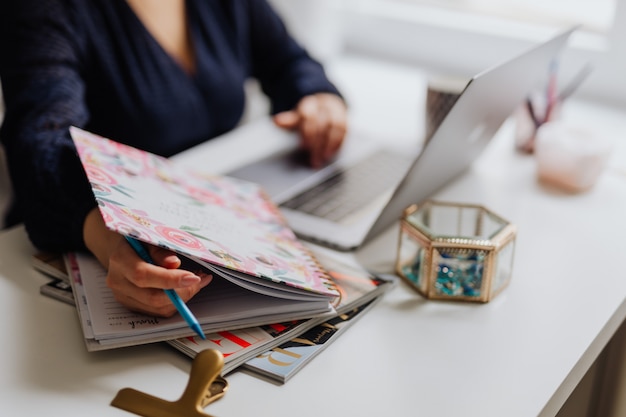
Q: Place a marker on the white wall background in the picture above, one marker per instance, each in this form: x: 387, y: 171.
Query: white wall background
x: 449, y: 41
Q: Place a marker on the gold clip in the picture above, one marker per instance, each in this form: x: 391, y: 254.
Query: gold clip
x: 205, y: 386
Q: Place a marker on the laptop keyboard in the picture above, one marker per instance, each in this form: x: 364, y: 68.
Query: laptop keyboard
x: 346, y: 191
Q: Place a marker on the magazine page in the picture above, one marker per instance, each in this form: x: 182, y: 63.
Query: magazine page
x: 237, y: 346
x: 283, y: 362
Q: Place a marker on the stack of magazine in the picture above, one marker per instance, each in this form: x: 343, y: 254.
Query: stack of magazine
x: 273, y: 351
x: 359, y: 292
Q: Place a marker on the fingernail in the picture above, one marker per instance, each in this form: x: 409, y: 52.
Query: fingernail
x: 189, y: 280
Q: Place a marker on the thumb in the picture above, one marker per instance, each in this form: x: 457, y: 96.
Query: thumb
x: 287, y: 119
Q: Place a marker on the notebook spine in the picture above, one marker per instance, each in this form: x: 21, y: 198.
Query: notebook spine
x: 317, y: 266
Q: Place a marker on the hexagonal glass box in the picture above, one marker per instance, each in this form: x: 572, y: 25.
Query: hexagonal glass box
x: 455, y: 251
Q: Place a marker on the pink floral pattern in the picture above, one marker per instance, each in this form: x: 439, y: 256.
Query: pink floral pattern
x: 220, y: 220
x: 181, y: 239
x: 99, y: 176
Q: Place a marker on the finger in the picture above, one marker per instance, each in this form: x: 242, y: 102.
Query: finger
x: 315, y: 130
x: 128, y: 265
x: 332, y: 122
x: 336, y: 131
x: 152, y: 276
x: 287, y: 119
x: 151, y: 300
x: 164, y: 257
x: 146, y: 300
x: 321, y: 139
x: 335, y: 138
x: 187, y: 293
x: 171, y: 260
x: 308, y: 112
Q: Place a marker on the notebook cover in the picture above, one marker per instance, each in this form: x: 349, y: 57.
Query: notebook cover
x: 218, y: 219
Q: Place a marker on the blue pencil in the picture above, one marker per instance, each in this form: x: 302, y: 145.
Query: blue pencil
x: 176, y: 300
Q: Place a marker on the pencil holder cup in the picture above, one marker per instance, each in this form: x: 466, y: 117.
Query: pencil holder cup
x: 451, y: 251
x: 529, y: 117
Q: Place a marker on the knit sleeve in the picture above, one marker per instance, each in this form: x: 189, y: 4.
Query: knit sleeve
x: 44, y: 95
x: 284, y: 68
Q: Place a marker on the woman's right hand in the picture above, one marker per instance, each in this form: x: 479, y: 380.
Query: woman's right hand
x: 136, y: 284
x: 321, y: 120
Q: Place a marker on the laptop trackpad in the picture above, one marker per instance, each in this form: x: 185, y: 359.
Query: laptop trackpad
x: 283, y: 175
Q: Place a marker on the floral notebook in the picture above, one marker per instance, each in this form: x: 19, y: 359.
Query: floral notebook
x: 228, y: 225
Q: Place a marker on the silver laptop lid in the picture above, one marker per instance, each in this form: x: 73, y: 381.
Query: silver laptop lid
x: 486, y: 102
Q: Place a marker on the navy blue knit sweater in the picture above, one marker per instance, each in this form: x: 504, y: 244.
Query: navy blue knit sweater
x: 94, y: 65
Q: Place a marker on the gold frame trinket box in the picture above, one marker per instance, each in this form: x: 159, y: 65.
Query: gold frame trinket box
x: 453, y: 251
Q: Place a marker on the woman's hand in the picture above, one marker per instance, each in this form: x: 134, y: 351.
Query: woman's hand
x: 321, y: 119
x: 137, y: 284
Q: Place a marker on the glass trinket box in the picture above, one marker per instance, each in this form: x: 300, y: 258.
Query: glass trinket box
x: 452, y: 251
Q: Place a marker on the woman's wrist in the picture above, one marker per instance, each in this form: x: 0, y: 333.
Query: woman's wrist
x: 98, y: 238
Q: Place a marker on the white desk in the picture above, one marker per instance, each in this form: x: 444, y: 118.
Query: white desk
x: 519, y: 355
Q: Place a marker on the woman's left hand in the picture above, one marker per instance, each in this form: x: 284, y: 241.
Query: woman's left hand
x: 321, y: 120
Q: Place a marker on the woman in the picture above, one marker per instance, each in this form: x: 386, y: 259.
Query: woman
x: 159, y: 75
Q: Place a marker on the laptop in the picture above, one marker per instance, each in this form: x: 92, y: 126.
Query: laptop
x: 310, y: 199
